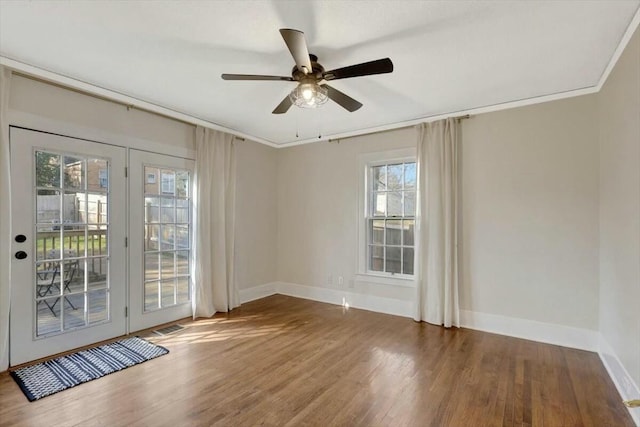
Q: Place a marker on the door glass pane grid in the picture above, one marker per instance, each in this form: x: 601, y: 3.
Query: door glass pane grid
x: 167, y: 229
x: 391, y: 218
x: 71, y: 248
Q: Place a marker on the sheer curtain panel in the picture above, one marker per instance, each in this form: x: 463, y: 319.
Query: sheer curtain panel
x: 5, y: 219
x: 437, y: 235
x: 214, y: 217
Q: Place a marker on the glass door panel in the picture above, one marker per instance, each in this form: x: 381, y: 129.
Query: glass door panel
x: 160, y: 221
x: 76, y: 294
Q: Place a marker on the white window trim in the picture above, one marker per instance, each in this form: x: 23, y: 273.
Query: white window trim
x: 364, y: 161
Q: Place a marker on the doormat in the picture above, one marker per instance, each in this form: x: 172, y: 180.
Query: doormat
x: 52, y: 376
x: 169, y: 329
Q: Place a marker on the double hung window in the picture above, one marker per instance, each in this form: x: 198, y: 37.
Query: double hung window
x: 390, y: 217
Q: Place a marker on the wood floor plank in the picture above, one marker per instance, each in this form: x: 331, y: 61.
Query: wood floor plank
x: 285, y: 361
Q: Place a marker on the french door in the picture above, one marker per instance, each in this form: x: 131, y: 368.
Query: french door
x: 69, y: 224
x: 160, y: 209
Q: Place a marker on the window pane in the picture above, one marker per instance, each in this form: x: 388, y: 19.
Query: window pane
x: 392, y: 264
x: 182, y: 262
x: 183, y: 290
x: 151, y: 237
x: 182, y: 237
x: 47, y: 169
x: 74, y: 207
x: 167, y: 213
x: 182, y: 184
x: 47, y: 240
x: 151, y: 301
x: 151, y: 266
x: 376, y: 235
x: 48, y: 316
x: 379, y: 201
x: 97, y: 175
x: 409, y: 203
x: 97, y: 241
x: 48, y: 207
x: 393, y: 230
x: 167, y: 265
x: 152, y: 209
x: 379, y: 178
x: 167, y: 236
x: 394, y: 177
x: 97, y: 306
x: 97, y: 208
x: 376, y: 258
x: 408, y: 226
x: 73, y: 311
x: 168, y: 292
x: 394, y: 206
x: 409, y: 176
x: 167, y: 182
x: 151, y: 180
x: 74, y: 169
x: 407, y: 261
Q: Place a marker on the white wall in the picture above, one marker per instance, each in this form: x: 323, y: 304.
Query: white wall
x: 256, y: 223
x: 619, y: 120
x: 51, y: 108
x: 318, y: 212
x: 530, y: 213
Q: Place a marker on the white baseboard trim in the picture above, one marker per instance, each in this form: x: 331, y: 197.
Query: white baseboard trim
x: 550, y: 333
x: 258, y: 292
x: 627, y: 388
x: 567, y: 336
x: 339, y: 297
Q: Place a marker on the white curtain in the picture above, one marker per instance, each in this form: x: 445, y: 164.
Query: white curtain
x: 437, y: 234
x: 214, y: 222
x: 5, y: 219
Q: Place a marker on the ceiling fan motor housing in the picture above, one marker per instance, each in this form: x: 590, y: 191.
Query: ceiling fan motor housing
x: 315, y: 74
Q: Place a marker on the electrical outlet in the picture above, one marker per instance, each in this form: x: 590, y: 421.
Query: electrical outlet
x: 330, y: 280
x: 340, y: 281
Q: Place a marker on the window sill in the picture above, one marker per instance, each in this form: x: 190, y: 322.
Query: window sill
x: 385, y: 280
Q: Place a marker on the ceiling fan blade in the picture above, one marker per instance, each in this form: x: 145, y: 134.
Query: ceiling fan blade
x: 345, y: 101
x: 298, y: 47
x: 283, y: 107
x: 379, y: 66
x: 254, y: 77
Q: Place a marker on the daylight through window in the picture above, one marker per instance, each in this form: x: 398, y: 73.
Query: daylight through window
x: 391, y: 217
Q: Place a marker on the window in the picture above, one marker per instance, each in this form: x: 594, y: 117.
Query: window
x: 103, y: 176
x: 168, y: 181
x: 388, y: 224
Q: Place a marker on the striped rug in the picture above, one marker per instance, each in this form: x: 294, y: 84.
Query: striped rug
x: 52, y: 376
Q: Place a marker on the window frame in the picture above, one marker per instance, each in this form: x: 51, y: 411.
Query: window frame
x: 365, y: 163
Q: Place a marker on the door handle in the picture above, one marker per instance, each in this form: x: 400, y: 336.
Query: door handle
x: 21, y: 255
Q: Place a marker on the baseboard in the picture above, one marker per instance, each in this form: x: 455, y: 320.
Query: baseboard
x: 339, y: 297
x: 567, y: 336
x: 331, y: 296
x: 257, y: 292
x: 627, y: 388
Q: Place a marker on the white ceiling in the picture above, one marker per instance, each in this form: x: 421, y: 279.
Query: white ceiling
x: 449, y: 56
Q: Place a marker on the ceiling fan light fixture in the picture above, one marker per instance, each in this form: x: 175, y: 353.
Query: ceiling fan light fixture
x: 309, y: 95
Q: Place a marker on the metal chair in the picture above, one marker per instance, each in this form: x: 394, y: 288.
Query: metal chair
x: 50, y: 283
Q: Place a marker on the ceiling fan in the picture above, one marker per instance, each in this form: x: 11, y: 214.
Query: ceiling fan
x: 312, y: 90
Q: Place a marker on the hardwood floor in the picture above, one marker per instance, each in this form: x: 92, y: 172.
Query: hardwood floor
x: 285, y: 361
